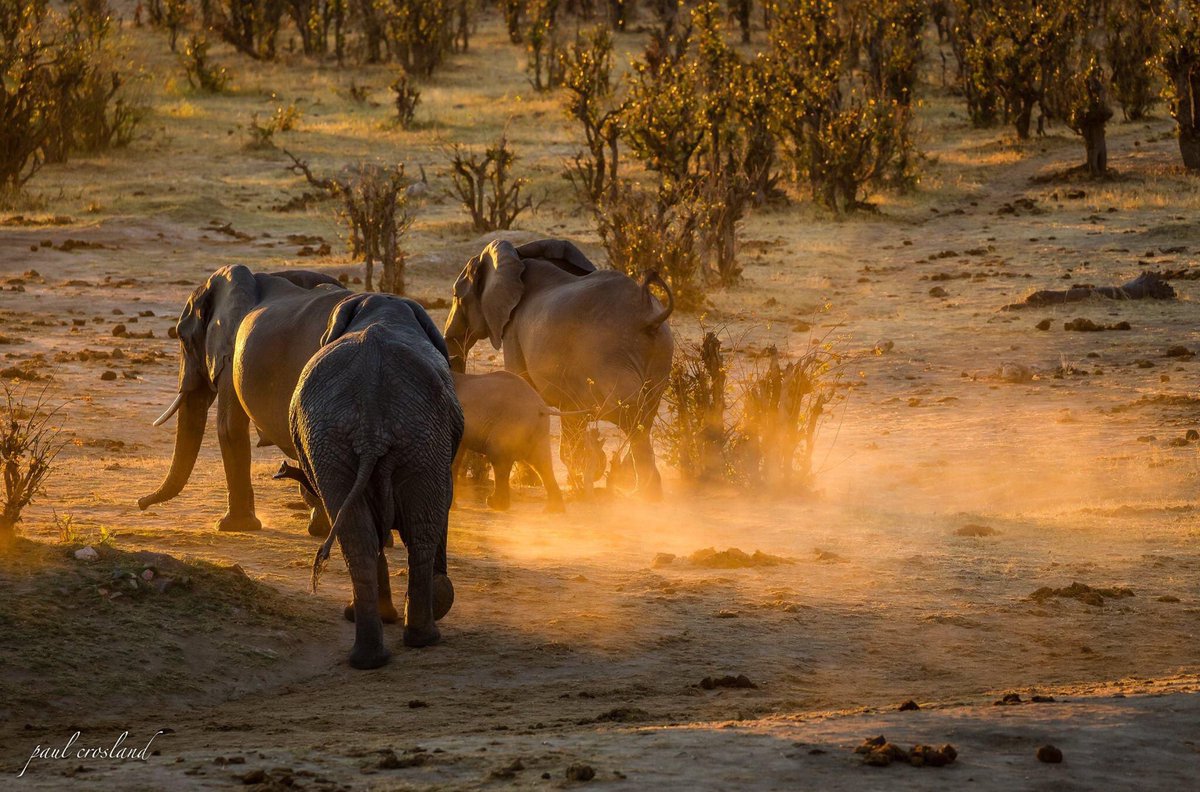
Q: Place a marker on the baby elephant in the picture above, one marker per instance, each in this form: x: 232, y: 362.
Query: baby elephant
x: 506, y: 421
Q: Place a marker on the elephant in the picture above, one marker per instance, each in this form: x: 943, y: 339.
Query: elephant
x: 376, y: 422
x: 507, y: 422
x: 585, y: 339
x: 244, y: 338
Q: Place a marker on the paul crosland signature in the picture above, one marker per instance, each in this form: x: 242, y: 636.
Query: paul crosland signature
x: 118, y: 750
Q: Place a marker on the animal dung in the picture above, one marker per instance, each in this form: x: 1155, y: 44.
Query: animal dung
x: 727, y: 681
x: 909, y: 706
x: 1049, y: 754
x: 733, y: 558
x: 878, y: 752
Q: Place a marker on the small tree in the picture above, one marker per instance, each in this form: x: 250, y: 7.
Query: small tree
x: 1179, y: 63
x: 407, y: 98
x: 1089, y: 113
x: 375, y: 206
x: 543, y: 64
x: 251, y: 26
x: 590, y: 100
x: 486, y: 186
x: 640, y: 232
x: 29, y: 444
x: 202, y: 74
x: 892, y: 38
x: 972, y: 38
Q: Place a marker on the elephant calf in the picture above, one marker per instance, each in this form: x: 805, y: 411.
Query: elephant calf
x: 507, y: 422
x: 375, y: 423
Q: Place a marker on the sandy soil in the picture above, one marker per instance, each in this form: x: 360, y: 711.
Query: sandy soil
x: 565, y: 644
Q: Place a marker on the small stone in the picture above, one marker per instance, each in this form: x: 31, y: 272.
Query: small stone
x: 870, y: 744
x: 939, y: 292
x: 120, y: 331
x: 253, y: 777
x: 1179, y: 351
x: 662, y: 560
x: 1168, y: 598
x: 1043, y: 325
x: 417, y: 704
x: 108, y: 376
x: 580, y: 772
x: 1009, y: 698
x: 909, y: 705
x: 1049, y: 754
x: 86, y: 554
x: 390, y: 761
x: 1039, y: 699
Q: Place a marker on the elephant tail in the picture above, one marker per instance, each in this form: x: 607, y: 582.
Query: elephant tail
x: 659, y: 317
x: 365, y: 466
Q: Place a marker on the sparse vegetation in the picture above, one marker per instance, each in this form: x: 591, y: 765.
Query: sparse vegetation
x: 375, y: 207
x: 486, y: 186
x: 772, y: 439
x: 202, y: 74
x: 407, y: 98
x: 29, y: 444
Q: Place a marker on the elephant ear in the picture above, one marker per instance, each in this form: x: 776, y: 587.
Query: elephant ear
x: 431, y: 330
x: 342, y: 317
x: 208, y: 324
x: 234, y: 294
x: 502, y: 287
x: 560, y: 253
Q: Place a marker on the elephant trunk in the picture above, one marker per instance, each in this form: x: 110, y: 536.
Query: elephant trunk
x: 458, y: 337
x: 193, y: 415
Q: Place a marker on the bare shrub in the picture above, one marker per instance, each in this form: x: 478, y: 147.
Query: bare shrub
x: 169, y: 14
x: 408, y: 96
x: 262, y: 134
x: 62, y: 91
x: 696, y: 434
x: 29, y: 444
x: 486, y: 186
x: 771, y: 440
x: 202, y: 74
x: 420, y: 33
x: 375, y: 207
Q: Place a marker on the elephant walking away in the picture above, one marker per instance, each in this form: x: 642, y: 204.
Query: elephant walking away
x: 586, y: 339
x: 375, y: 422
x: 507, y: 422
x: 244, y: 339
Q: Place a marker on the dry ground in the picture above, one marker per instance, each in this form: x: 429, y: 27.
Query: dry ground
x: 565, y: 644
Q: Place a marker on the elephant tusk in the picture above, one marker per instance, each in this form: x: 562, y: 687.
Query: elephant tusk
x: 162, y: 419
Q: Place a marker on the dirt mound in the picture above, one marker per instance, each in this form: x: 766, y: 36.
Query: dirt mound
x: 733, y: 558
x: 83, y: 634
x: 1082, y: 592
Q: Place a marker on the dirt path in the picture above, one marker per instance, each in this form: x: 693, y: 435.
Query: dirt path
x: 567, y: 644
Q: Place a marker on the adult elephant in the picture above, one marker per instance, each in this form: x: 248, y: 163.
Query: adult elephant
x: 244, y: 339
x: 586, y: 339
x: 376, y: 422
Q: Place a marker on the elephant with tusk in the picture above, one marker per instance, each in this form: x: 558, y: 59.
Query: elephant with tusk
x: 244, y: 339
x: 585, y: 339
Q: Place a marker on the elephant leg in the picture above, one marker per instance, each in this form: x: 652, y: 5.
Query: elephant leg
x: 430, y: 593
x: 233, y: 431
x: 501, y: 495
x: 649, y: 482
x: 318, y: 520
x: 360, y: 546
x: 387, y: 609
x: 541, y: 462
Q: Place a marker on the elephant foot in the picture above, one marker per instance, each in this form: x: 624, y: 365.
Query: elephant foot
x: 387, y: 612
x: 554, y: 505
x: 415, y: 637
x: 443, y: 596
x: 498, y: 503
x: 318, y: 523
x: 366, y: 658
x: 239, y: 522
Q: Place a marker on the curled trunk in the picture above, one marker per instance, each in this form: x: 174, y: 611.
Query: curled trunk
x: 192, y: 417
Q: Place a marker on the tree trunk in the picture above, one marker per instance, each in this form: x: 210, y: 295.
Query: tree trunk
x: 1097, y: 149
x: 1189, y: 147
x: 1024, y: 116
